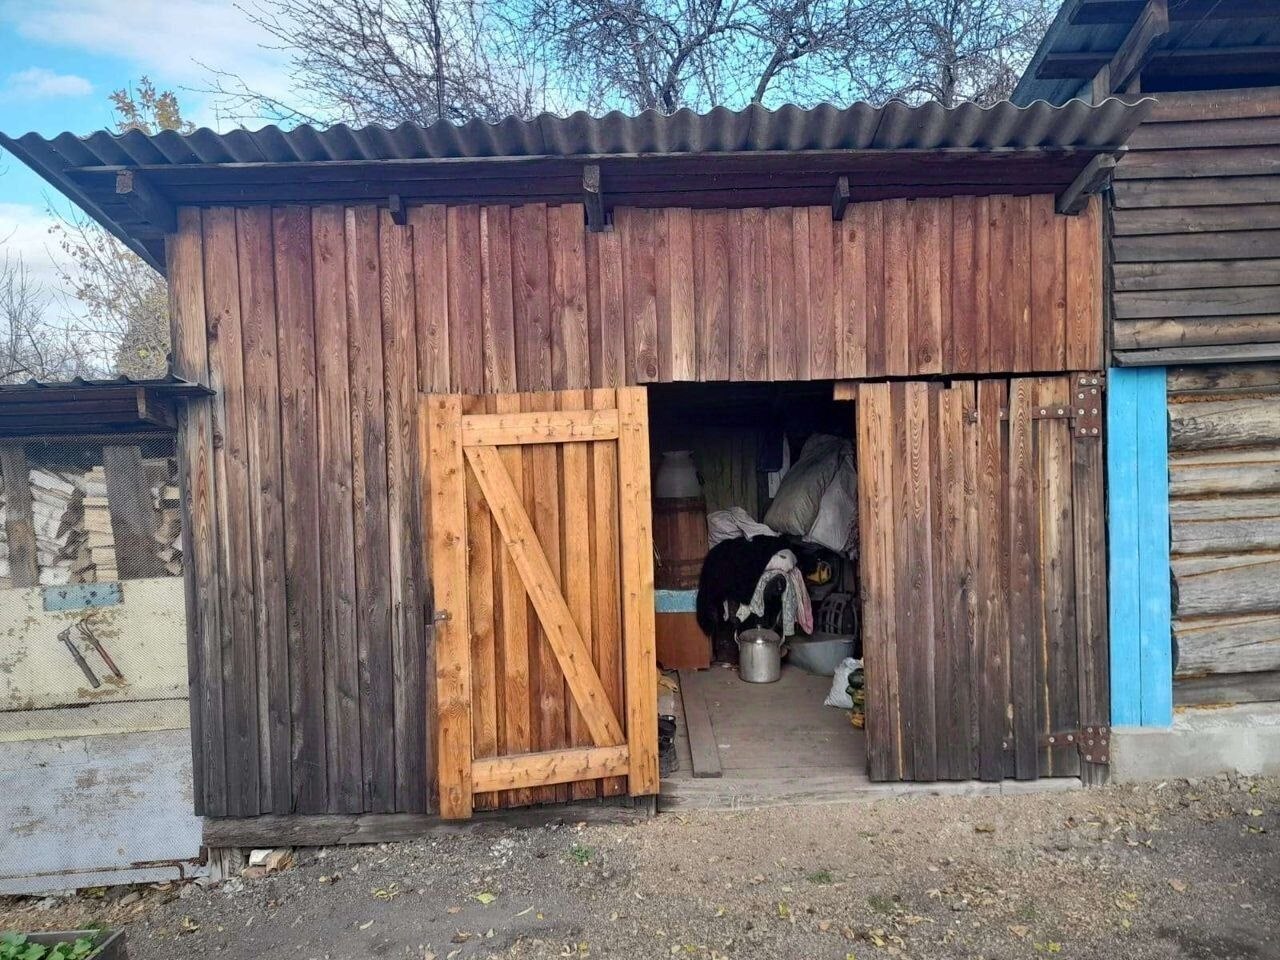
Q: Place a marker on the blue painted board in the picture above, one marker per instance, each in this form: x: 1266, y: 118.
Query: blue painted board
x: 1153, y: 548
x: 1138, y: 527
x: 1123, y: 565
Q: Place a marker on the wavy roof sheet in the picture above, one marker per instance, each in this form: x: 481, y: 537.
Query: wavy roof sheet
x: 205, y: 167
x: 894, y: 126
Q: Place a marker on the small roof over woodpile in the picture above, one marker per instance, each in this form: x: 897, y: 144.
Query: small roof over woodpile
x: 1175, y: 44
x: 132, y: 182
x: 79, y: 406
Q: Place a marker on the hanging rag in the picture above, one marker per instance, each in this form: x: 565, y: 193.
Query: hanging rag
x: 796, y: 608
x: 732, y: 524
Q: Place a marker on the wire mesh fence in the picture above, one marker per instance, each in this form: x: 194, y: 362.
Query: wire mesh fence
x: 95, y: 769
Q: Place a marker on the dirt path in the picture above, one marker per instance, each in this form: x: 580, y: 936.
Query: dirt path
x: 1175, y: 871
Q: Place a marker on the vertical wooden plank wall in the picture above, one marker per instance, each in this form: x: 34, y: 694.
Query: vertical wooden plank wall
x: 319, y: 325
x: 1138, y: 491
x: 978, y: 534
x: 307, y: 657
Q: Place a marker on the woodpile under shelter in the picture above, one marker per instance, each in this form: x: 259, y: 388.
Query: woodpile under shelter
x: 1193, y: 306
x: 444, y: 363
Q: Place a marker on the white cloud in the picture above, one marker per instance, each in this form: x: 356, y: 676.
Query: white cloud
x: 175, y: 42
x: 42, y: 84
x: 24, y: 234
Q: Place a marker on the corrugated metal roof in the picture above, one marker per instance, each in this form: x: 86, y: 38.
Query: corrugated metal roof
x: 789, y: 129
x: 205, y: 167
x: 1065, y: 37
x: 171, y: 385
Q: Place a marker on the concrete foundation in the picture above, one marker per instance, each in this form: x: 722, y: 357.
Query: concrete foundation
x: 1202, y: 742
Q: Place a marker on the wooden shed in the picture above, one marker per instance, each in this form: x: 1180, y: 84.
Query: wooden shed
x: 420, y: 564
x: 1193, y: 264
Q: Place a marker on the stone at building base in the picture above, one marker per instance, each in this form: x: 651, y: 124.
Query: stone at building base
x: 1202, y: 742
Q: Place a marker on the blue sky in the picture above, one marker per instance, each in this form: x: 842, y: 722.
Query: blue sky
x: 60, y: 59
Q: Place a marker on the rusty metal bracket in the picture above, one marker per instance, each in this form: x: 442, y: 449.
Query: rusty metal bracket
x: 1084, y: 411
x: 1093, y: 743
x: 1086, y: 404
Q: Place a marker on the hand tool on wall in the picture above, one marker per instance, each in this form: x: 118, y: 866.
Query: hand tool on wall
x: 65, y: 637
x: 87, y: 633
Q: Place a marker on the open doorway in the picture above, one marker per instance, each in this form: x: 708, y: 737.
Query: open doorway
x: 756, y: 570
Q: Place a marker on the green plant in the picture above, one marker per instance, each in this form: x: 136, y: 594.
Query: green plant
x: 16, y: 946
x: 821, y: 877
x: 578, y: 851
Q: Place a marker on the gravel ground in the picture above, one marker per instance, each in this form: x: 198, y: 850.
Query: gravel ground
x: 1176, y: 870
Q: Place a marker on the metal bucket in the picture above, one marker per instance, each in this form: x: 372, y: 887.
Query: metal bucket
x: 759, y: 656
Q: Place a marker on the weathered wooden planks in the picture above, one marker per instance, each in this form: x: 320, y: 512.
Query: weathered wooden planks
x: 1197, y: 203
x: 981, y: 531
x: 524, y: 298
x: 299, y: 480
x: 1224, y: 485
x: 233, y: 532
x: 20, y: 530
x: 337, y: 559
x: 266, y: 506
x: 319, y: 325
x: 189, y: 338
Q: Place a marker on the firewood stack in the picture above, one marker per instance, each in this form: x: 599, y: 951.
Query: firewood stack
x: 100, y: 563
x: 168, y: 504
x: 55, y: 504
x: 5, y: 581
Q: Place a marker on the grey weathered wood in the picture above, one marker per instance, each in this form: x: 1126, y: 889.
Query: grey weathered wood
x: 1198, y: 220
x: 1213, y: 424
x: 1089, y: 181
x: 1224, y: 379
x: 1235, y: 688
x: 1221, y: 645
x: 697, y: 719
x: 1199, y: 192
x: 19, y: 520
x: 1208, y: 332
x: 1193, y: 275
x: 1235, y: 245
x: 1219, y: 301
x: 1217, y: 353
x: 1216, y: 585
x: 1226, y: 535
x: 1255, y: 471
x: 134, y: 520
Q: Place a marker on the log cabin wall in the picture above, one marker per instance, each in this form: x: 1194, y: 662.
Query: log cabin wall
x: 317, y: 326
x: 1196, y: 231
x: 1224, y: 491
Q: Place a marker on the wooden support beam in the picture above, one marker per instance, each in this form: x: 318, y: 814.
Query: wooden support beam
x: 155, y: 411
x: 330, y: 829
x: 549, y: 767
x: 19, y: 517
x: 399, y: 214
x: 566, y: 426
x: 134, y: 520
x: 145, y: 201
x: 1152, y: 24
x: 840, y: 198
x: 703, y: 750
x: 593, y: 198
x: 1090, y: 180
x: 1127, y: 11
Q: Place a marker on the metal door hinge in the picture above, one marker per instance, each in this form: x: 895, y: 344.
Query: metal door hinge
x: 1093, y: 743
x: 1083, y: 412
